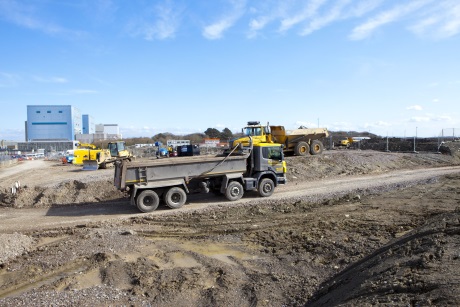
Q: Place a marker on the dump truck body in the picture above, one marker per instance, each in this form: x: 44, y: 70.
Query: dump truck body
x: 262, y: 168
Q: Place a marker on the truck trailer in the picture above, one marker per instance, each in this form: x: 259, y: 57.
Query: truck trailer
x: 260, y: 168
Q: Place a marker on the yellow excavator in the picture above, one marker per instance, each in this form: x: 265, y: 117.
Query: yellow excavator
x: 93, y: 158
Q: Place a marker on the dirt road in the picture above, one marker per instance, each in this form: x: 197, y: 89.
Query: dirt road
x: 349, y: 229
x: 47, y: 218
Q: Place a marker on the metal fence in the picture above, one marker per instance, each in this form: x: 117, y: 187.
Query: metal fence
x: 4, y: 157
x: 449, y: 134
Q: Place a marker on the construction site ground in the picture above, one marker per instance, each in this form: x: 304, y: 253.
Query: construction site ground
x: 350, y: 228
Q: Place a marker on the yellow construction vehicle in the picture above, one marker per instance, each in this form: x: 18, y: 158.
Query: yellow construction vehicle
x: 299, y: 142
x: 95, y: 158
x: 346, y: 142
x: 83, y: 152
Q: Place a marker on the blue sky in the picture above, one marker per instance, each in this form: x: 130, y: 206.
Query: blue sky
x: 391, y: 67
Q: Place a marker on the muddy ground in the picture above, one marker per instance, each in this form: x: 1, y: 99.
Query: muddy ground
x: 392, y: 244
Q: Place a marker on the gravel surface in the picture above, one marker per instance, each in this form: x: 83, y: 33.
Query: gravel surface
x: 351, y: 228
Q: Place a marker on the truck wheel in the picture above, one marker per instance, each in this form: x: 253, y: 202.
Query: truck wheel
x: 266, y: 187
x: 316, y: 147
x: 175, y: 198
x: 234, y: 191
x: 147, y: 201
x: 301, y: 149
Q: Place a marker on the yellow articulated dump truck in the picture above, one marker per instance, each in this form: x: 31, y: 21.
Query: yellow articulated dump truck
x: 300, y: 142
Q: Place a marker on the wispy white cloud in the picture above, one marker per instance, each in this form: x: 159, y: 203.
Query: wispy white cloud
x: 267, y: 13
x: 333, y: 15
x: 428, y: 117
x: 440, y: 21
x: 27, y: 16
x: 217, y: 29
x: 305, y: 124
x: 8, y: 80
x: 310, y: 10
x: 419, y: 119
x: 50, y: 79
x: 436, y: 100
x: 83, y: 92
x: 160, y: 22
x: 396, y: 13
x: 440, y: 118
x: 75, y: 92
x: 12, y: 134
x: 362, y: 8
x: 415, y: 107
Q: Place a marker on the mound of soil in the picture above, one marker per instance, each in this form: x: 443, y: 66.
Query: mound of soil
x: 419, y: 269
x: 66, y: 193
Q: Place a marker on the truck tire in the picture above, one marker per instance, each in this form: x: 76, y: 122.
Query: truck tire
x: 301, y: 149
x: 234, y: 191
x: 147, y: 201
x: 266, y: 187
x: 175, y: 198
x: 316, y: 147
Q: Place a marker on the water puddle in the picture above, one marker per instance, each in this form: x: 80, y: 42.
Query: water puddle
x: 224, y: 252
x: 44, y: 279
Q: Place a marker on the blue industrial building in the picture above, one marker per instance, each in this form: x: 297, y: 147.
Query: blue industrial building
x: 52, y: 122
x: 88, y: 124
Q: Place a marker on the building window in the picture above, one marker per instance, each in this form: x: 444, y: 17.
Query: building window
x: 37, y: 111
x: 48, y: 111
x: 60, y: 111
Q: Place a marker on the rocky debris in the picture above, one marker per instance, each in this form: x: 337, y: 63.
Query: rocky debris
x: 13, y: 245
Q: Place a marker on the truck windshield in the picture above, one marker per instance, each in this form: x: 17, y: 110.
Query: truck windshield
x: 272, y: 153
x: 253, y: 131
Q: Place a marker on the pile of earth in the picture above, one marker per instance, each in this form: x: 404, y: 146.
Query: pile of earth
x: 68, y: 192
x: 419, y: 269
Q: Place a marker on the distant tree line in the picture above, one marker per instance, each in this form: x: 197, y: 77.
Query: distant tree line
x: 195, y: 138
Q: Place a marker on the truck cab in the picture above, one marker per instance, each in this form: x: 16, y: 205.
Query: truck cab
x: 254, y: 132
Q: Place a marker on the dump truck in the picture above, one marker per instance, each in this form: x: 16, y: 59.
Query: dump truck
x: 300, y: 142
x: 261, y: 167
x: 94, y: 159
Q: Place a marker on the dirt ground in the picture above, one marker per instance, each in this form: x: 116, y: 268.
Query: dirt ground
x: 351, y: 228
